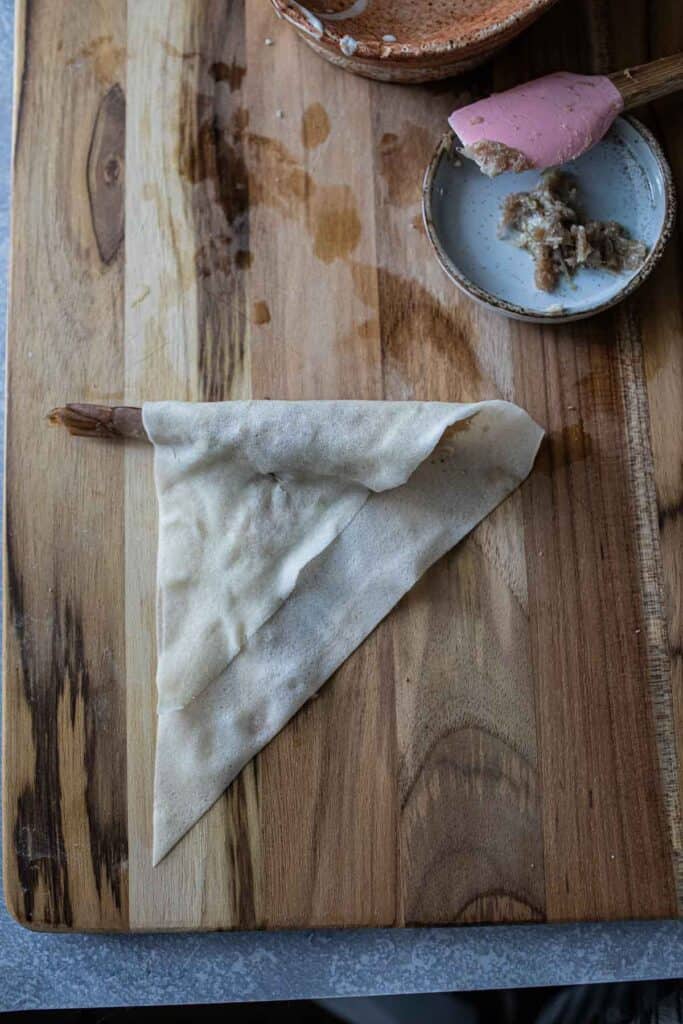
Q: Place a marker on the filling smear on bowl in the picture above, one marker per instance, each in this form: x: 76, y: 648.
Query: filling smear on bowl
x: 496, y: 158
x: 548, y: 223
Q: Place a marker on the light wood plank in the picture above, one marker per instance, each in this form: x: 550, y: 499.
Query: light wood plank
x: 312, y: 224
x: 180, y: 343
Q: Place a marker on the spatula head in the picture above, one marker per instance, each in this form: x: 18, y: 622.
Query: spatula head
x: 549, y: 121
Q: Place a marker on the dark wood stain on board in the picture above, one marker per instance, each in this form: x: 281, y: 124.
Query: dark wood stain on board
x: 39, y: 828
x: 242, y: 803
x: 424, y: 341
x: 329, y: 213
x: 211, y: 159
x: 402, y: 161
x: 260, y: 313
x: 232, y: 73
x: 315, y: 126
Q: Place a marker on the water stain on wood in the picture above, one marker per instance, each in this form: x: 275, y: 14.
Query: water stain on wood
x: 103, y: 55
x: 315, y: 126
x: 199, y: 131
x: 334, y: 222
x: 260, y: 313
x: 38, y: 830
x: 418, y: 224
x: 424, y: 341
x: 277, y: 178
x: 362, y: 342
x: 246, y: 168
x: 213, y: 256
x: 364, y: 284
x: 329, y: 212
x: 401, y: 163
x: 232, y: 74
x: 368, y: 329
x: 565, y: 447
x: 174, y: 51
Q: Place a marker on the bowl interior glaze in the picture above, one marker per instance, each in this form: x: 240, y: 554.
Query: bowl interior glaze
x: 624, y: 178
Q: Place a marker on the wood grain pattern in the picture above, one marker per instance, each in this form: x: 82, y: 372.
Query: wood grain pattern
x: 505, y: 746
x: 64, y: 806
x: 663, y: 363
x: 649, y: 82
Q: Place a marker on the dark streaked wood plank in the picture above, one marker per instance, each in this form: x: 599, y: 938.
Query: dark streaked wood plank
x: 661, y: 321
x: 607, y: 848
x: 606, y: 714
x: 65, y: 751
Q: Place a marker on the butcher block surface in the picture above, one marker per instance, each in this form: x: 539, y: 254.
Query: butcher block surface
x: 201, y: 215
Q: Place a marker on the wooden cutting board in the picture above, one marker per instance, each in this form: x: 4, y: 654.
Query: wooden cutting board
x: 505, y: 747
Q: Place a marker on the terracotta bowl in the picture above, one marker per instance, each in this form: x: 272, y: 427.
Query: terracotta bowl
x: 409, y: 40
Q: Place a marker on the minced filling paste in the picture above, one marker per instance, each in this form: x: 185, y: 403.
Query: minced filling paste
x: 494, y: 158
x: 548, y: 223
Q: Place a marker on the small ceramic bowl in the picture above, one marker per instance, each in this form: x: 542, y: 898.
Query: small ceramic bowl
x: 625, y: 178
x: 416, y: 41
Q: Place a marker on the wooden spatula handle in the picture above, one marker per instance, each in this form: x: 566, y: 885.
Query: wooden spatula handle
x: 649, y: 81
x: 84, y: 420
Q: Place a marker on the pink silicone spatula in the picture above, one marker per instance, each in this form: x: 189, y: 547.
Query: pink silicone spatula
x: 558, y: 117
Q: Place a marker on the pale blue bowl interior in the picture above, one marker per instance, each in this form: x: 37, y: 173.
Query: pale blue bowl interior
x: 619, y: 179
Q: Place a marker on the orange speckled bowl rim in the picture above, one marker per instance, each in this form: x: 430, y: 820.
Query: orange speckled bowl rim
x: 400, y: 52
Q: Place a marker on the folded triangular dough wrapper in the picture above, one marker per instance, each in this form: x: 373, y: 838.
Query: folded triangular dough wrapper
x: 406, y: 489
x: 249, y: 493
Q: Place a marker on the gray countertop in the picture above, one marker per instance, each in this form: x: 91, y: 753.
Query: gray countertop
x: 51, y: 971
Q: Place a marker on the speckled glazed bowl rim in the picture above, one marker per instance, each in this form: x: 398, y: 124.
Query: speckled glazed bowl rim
x: 412, y: 52
x: 510, y: 309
